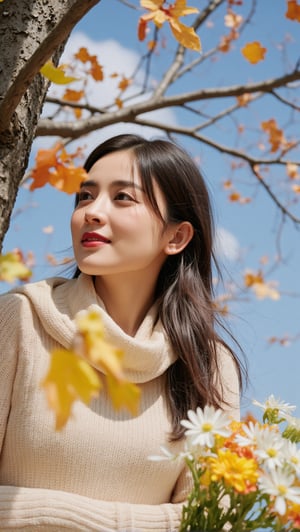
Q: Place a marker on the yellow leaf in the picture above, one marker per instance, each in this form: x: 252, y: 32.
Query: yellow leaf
x: 90, y: 342
x: 254, y: 52
x: 69, y: 378
x: 123, y: 394
x: 56, y: 74
x: 180, y: 9
x: 185, y: 35
x: 12, y: 267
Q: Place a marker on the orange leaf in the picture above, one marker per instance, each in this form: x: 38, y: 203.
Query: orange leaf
x: 293, y: 10
x: 119, y: 103
x: 82, y: 55
x: 276, y: 136
x: 58, y: 170
x: 244, y: 99
x: 235, y: 196
x: 72, y: 96
x: 142, y: 26
x: 254, y: 52
x: 96, y: 70
x: 124, y: 83
x: 292, y: 170
x: 67, y: 178
x: 296, y: 188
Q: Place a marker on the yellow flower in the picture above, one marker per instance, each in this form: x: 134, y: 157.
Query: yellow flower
x: 238, y: 472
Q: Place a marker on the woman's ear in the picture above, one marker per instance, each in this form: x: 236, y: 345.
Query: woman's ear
x: 181, y: 235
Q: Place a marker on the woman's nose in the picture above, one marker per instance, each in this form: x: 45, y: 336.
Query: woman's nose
x: 95, y: 213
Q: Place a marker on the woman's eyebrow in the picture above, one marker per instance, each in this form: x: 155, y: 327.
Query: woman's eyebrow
x: 118, y: 183
x: 88, y: 183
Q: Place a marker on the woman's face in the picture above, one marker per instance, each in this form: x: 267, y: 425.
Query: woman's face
x: 114, y: 229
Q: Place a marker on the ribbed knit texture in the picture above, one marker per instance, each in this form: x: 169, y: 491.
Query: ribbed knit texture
x: 95, y: 474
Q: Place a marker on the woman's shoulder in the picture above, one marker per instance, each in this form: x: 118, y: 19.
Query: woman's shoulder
x: 18, y: 297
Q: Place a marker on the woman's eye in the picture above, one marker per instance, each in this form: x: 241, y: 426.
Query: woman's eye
x: 124, y: 196
x: 84, y: 195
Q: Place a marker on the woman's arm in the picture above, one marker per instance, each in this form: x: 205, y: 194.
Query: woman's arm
x: 46, y: 510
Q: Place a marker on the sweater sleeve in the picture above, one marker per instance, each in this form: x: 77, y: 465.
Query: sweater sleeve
x: 31, y: 509
x: 8, y: 356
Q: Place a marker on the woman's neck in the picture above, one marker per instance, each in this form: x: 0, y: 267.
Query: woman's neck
x: 127, y: 300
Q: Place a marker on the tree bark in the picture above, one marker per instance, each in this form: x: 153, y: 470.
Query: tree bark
x: 31, y: 32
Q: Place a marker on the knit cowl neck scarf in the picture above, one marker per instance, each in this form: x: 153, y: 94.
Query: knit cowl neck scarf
x: 56, y: 301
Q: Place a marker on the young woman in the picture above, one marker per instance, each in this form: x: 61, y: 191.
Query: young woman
x: 143, y: 243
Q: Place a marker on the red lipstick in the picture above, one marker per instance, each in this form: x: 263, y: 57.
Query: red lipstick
x: 93, y: 239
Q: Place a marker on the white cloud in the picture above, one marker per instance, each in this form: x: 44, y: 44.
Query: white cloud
x: 226, y: 245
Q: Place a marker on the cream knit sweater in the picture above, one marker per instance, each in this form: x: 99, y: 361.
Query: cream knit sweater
x: 95, y: 474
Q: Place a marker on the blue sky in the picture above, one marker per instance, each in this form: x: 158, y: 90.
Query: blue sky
x: 249, y: 231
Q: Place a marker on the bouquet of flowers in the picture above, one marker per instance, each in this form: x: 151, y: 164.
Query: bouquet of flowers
x: 246, y: 475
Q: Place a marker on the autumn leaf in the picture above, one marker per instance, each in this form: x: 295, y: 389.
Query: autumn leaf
x: 119, y: 103
x: 123, y: 394
x: 12, y: 267
x: 96, y: 70
x: 276, y: 136
x: 56, y: 167
x: 244, y: 99
x: 90, y: 343
x: 124, y: 83
x: 56, y: 74
x: 67, y: 178
x: 293, y: 10
x: 69, y: 378
x: 185, y: 35
x: 254, y: 52
x: 72, y: 96
x: 292, y: 170
x: 260, y: 287
x: 159, y: 14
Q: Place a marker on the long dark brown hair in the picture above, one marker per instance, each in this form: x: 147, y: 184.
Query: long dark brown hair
x: 184, y: 290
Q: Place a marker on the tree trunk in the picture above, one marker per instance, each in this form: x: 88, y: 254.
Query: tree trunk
x: 31, y: 32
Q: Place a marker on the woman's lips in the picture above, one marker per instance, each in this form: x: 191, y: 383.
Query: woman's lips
x: 93, y: 240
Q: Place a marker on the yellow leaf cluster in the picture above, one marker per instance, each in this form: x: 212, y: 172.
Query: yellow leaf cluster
x: 159, y: 13
x: 56, y: 74
x: 78, y: 373
x: 56, y: 167
x: 12, y: 267
x: 254, y: 52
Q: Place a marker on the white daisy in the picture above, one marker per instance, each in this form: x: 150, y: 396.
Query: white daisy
x: 271, y: 403
x: 269, y: 449
x: 203, y: 425
x: 251, y: 430
x: 292, y: 456
x: 279, y: 485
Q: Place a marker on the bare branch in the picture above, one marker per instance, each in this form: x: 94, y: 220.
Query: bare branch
x: 128, y: 114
